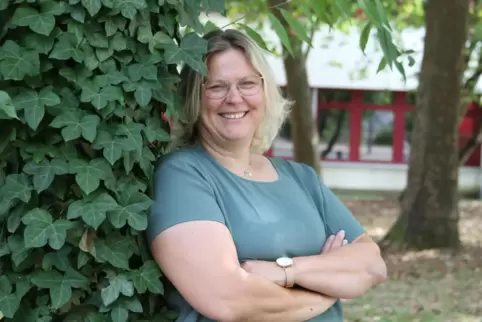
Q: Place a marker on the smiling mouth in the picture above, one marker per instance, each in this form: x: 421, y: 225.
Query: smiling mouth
x: 234, y: 116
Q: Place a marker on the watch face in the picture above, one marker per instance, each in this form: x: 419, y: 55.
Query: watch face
x: 284, y: 261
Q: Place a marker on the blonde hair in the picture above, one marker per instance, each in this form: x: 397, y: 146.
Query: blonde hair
x: 184, y: 131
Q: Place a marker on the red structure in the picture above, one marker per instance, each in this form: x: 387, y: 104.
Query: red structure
x: 468, y: 126
x: 399, y: 107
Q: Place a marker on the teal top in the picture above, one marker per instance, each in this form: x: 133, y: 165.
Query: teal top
x: 291, y: 216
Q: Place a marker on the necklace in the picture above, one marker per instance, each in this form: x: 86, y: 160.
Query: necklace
x: 248, y: 173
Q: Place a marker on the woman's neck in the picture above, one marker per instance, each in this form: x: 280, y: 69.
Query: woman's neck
x: 235, y: 157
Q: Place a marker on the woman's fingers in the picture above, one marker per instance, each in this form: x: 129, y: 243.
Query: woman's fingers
x: 328, y: 244
x: 334, y: 241
x: 338, y: 240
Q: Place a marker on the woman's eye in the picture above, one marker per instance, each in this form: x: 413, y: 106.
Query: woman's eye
x: 247, y: 84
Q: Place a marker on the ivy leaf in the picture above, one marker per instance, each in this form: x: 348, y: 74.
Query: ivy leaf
x: 75, y: 124
x: 54, y: 7
x: 34, y: 103
x: 131, y: 134
x: 16, y: 186
x: 42, y: 229
x: 40, y: 43
x: 154, y: 131
x: 41, y: 23
x: 92, y: 212
x: 114, y: 249
x: 7, y: 110
x: 119, y: 314
x: 147, y: 278
x: 117, y: 285
x: 129, y: 8
x: 190, y: 51
x: 131, y: 210
x: 89, y: 174
x: 58, y: 259
x: 66, y: 48
x: 138, y: 71
x: 44, y: 172
x: 100, y: 97
x: 60, y: 286
x: 143, y: 95
x: 113, y: 147
x: 92, y: 6
x: 18, y: 250
x: 9, y: 302
x: 214, y: 6
x: 16, y: 62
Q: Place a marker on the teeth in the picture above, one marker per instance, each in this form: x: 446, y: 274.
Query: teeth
x: 234, y: 115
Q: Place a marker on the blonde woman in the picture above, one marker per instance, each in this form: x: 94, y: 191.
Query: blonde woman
x: 240, y: 236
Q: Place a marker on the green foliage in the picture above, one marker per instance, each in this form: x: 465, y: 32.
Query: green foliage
x: 83, y: 85
x: 302, y: 18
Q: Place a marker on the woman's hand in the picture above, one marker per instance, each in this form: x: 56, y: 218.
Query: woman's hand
x: 266, y: 269
x: 274, y: 273
x: 334, y: 241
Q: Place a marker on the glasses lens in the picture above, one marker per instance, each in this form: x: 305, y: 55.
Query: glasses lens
x: 246, y: 86
x: 249, y: 85
x: 216, y: 89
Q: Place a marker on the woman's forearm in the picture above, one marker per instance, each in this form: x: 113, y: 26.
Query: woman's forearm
x: 257, y: 299
x: 346, y: 272
x: 345, y: 285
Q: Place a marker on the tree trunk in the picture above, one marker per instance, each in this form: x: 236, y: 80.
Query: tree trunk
x: 303, y: 135
x: 305, y: 138
x: 429, y: 207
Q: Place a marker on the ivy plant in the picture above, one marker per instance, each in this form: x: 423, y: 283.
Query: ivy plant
x: 84, y: 86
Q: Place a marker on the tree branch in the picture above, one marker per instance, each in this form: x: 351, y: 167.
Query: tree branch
x: 257, y: 13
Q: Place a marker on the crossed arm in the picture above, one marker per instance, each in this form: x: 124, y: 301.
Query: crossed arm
x: 340, y: 271
x: 229, y: 292
x: 199, y: 258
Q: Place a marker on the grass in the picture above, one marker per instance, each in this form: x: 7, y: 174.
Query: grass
x: 426, y: 286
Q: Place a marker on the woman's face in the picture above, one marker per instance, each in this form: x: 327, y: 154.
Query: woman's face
x: 233, y: 101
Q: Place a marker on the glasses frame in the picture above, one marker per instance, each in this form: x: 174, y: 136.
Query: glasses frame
x: 229, y: 84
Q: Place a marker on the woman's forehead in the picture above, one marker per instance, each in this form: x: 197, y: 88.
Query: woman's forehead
x: 229, y: 64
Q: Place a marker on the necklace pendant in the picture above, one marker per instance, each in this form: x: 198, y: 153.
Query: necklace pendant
x: 247, y: 173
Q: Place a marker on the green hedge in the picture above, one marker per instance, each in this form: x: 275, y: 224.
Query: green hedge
x: 82, y: 87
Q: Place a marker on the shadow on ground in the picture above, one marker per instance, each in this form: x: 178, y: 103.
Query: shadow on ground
x: 423, y: 286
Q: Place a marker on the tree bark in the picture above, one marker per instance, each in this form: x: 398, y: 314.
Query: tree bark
x: 429, y: 206
x: 305, y: 138
x: 303, y: 135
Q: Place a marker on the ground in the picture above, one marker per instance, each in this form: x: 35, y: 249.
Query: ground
x: 428, y: 286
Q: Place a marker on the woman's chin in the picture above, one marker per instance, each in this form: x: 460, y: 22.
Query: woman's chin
x: 238, y: 137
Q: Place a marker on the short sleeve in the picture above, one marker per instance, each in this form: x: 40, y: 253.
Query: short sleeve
x: 337, y: 216
x: 181, y: 194
x: 334, y: 213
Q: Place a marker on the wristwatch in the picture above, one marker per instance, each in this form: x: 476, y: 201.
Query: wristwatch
x: 286, y: 264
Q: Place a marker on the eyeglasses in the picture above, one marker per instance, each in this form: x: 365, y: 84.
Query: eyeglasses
x: 219, y: 89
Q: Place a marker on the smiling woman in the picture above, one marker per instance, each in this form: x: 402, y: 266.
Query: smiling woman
x: 240, y: 236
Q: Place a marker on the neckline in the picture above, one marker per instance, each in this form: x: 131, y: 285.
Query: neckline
x: 234, y: 175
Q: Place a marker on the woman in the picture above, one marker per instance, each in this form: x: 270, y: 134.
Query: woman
x: 243, y: 237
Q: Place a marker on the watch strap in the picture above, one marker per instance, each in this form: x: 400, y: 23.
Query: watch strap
x: 290, y: 276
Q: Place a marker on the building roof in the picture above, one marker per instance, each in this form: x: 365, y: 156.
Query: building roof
x: 336, y: 60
